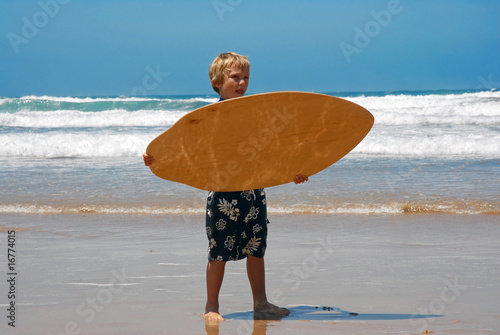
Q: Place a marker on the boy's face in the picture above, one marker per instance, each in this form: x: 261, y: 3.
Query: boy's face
x: 235, y: 83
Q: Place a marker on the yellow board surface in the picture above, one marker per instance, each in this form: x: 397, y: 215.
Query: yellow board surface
x: 258, y: 141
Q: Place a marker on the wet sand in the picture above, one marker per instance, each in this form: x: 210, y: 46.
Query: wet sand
x: 345, y: 274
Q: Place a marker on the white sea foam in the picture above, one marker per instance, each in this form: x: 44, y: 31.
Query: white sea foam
x: 440, y: 145
x: 391, y: 207
x: 83, y: 100
x: 79, y: 119
x: 96, y: 209
x: 467, y: 115
x: 479, y: 114
x: 104, y: 144
x: 102, y: 99
x: 130, y: 145
x: 51, y: 145
x: 405, y: 125
x: 103, y: 285
x: 478, y: 108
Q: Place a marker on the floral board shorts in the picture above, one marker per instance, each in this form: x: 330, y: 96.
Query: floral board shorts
x: 236, y: 224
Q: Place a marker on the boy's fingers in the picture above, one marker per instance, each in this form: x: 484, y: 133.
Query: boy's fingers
x: 148, y: 160
x: 300, y: 178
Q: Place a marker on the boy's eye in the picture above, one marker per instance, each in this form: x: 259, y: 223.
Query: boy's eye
x: 238, y: 78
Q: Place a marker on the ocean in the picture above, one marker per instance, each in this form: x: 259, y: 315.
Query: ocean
x: 428, y: 152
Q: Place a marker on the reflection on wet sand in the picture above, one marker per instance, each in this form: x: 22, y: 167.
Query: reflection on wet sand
x: 256, y: 323
x: 256, y: 327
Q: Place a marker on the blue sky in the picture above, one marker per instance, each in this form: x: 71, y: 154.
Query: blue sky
x: 153, y: 47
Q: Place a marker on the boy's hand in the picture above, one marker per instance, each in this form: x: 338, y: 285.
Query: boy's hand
x: 300, y: 178
x: 148, y: 160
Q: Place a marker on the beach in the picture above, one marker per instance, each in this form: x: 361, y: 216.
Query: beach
x: 346, y: 274
x: 401, y: 236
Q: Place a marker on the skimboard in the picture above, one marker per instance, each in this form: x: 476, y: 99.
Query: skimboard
x: 258, y: 141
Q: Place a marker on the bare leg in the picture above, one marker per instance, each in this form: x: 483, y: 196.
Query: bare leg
x: 215, y: 275
x: 257, y: 278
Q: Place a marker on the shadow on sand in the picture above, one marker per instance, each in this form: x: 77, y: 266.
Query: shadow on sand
x: 258, y: 323
x: 324, y: 313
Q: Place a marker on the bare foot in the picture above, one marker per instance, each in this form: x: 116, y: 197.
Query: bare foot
x: 212, y: 314
x: 267, y: 308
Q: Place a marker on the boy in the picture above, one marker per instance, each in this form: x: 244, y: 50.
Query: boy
x: 236, y: 222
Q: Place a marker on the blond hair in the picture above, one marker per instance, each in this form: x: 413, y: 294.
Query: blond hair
x: 221, y: 65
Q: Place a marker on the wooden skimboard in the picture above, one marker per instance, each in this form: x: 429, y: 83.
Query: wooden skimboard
x: 258, y: 141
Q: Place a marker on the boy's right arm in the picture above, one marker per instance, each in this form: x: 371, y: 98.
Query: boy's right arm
x: 148, y: 160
